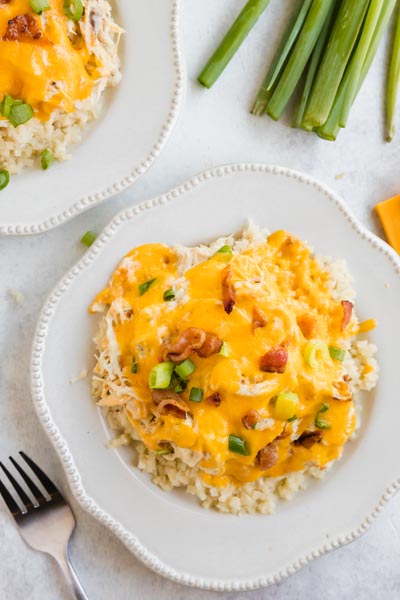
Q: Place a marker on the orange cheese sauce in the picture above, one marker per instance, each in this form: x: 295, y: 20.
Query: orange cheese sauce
x: 48, y: 73
x: 281, y: 278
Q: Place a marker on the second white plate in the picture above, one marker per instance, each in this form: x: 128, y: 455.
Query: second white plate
x: 170, y: 532
x: 136, y: 121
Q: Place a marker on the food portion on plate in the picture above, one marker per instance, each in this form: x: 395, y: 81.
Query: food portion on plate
x: 56, y: 59
x: 233, y: 368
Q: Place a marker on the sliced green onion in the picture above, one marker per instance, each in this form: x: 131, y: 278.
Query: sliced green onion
x: 4, y: 179
x: 322, y: 424
x: 225, y: 350
x: 134, y: 366
x: 47, y: 159
x: 163, y: 451
x: 88, y: 238
x: 73, y: 9
x: 238, y: 445
x: 143, y: 287
x: 232, y: 41
x: 169, y: 295
x: 185, y: 369
x: 337, y: 353
x: 312, y: 350
x: 285, y: 405
x: 6, y: 104
x: 20, y: 114
x: 294, y: 418
x: 224, y: 250
x: 38, y: 6
x: 160, y: 376
x: 196, y: 394
x: 324, y: 408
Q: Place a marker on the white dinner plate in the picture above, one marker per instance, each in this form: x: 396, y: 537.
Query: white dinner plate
x: 117, y: 148
x: 169, y: 531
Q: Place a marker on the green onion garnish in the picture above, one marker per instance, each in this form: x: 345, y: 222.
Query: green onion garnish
x: 196, y: 394
x: 20, y: 113
x: 163, y: 451
x: 225, y: 350
x: 185, y: 369
x: 73, y: 9
x: 4, y: 179
x: 88, y: 238
x: 224, y: 250
x: 169, y: 295
x: 321, y: 423
x: 143, y: 287
x: 160, y: 376
x: 337, y: 353
x: 134, y: 366
x: 38, y: 6
x: 178, y: 383
x: 285, y: 405
x: 238, y: 445
x: 294, y: 418
x: 5, y: 105
x: 312, y: 350
x: 46, y: 159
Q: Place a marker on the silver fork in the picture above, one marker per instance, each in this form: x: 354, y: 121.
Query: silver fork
x: 46, y: 523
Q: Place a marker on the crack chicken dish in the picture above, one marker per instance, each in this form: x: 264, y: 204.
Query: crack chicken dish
x: 56, y: 59
x: 233, y: 368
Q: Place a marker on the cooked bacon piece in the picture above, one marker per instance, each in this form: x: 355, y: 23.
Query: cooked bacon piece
x: 268, y: 456
x: 190, y: 340
x: 23, y: 28
x: 308, y: 439
x: 4, y: 2
x: 308, y: 325
x: 259, y: 319
x: 274, y: 361
x: 228, y: 291
x: 342, y: 391
x: 347, y: 312
x: 169, y: 403
x: 211, y: 346
x: 214, y: 399
x: 250, y: 419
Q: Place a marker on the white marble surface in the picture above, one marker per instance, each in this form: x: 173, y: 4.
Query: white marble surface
x: 215, y: 127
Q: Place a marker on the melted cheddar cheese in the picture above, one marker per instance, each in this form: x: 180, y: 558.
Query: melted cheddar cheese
x: 282, y: 279
x: 51, y: 72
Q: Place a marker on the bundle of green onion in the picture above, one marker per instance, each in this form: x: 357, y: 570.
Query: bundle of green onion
x: 325, y: 55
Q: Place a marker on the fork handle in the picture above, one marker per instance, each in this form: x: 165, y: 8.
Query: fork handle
x: 71, y: 577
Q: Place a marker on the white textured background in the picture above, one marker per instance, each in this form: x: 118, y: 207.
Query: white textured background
x: 214, y: 128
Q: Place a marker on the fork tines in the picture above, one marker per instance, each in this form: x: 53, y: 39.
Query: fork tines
x: 38, y: 496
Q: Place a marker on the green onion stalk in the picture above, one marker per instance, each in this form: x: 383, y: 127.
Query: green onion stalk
x: 313, y: 67
x: 331, y: 127
x: 301, y: 53
x: 281, y: 55
x: 393, y: 81
x: 232, y: 41
x: 334, y: 62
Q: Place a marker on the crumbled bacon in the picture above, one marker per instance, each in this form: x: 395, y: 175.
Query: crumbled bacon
x: 268, y: 456
x: 275, y: 360
x: 191, y: 340
x: 169, y: 403
x: 212, y: 345
x: 4, y: 2
x: 308, y: 325
x: 259, y: 319
x: 308, y: 439
x: 23, y: 28
x: 228, y: 291
x: 250, y: 419
x: 214, y: 399
x: 347, y: 312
